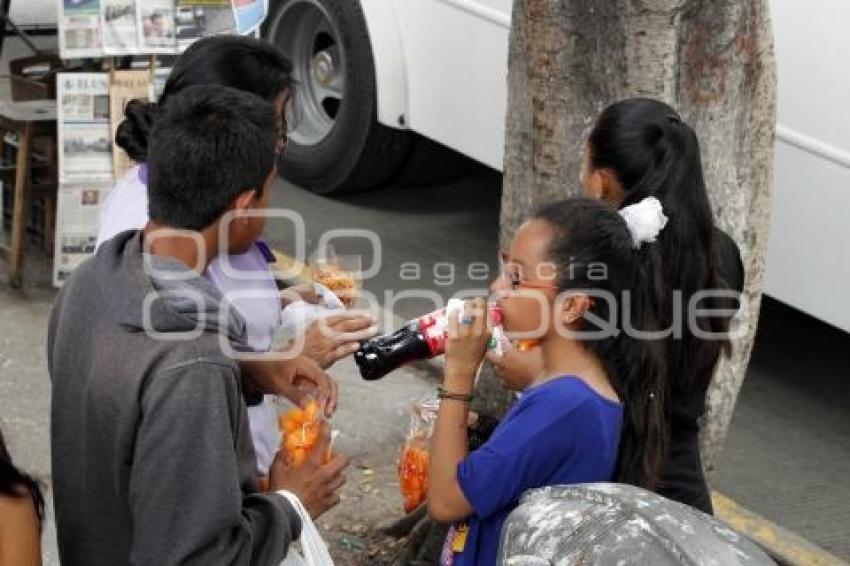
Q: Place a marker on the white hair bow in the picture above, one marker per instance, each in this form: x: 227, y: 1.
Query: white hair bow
x: 645, y: 220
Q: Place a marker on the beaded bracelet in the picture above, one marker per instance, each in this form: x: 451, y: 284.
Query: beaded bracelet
x: 443, y: 394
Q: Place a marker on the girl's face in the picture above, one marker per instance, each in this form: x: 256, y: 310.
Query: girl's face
x: 527, y: 284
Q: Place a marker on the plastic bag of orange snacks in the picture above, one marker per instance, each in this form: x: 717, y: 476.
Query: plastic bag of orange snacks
x: 300, y: 430
x: 413, y: 464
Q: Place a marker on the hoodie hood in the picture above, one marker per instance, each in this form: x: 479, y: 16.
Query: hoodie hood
x: 162, y: 294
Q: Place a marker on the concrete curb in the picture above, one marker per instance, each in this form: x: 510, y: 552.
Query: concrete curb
x: 787, y: 547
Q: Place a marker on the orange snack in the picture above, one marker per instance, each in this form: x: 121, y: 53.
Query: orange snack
x: 300, y: 429
x: 413, y: 476
x: 340, y: 282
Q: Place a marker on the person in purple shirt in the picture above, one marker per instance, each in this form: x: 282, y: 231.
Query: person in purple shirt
x: 575, y: 280
x: 250, y: 65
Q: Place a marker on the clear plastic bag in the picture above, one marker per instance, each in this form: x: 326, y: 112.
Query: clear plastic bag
x: 415, y: 456
x: 300, y: 428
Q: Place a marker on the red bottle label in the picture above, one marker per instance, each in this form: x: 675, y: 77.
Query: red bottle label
x: 435, y: 327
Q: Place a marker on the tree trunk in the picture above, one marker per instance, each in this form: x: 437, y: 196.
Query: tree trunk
x: 711, y: 60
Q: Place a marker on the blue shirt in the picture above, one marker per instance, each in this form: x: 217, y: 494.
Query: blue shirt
x: 559, y: 432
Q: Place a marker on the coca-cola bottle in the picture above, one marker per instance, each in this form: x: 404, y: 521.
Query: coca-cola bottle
x: 419, y: 339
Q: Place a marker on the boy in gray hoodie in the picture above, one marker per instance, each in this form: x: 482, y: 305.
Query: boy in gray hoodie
x: 152, y: 457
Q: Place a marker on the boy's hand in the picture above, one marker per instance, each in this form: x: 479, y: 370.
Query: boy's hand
x: 315, y: 483
x: 330, y: 339
x: 468, y: 334
x: 296, y: 379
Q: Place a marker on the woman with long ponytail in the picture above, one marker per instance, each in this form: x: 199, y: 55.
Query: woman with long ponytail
x: 642, y: 148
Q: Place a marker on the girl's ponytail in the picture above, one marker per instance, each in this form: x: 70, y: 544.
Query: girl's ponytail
x: 654, y: 153
x: 641, y: 386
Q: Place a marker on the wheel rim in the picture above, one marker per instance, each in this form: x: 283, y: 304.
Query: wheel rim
x: 308, y: 37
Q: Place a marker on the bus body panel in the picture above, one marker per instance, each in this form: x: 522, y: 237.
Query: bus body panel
x: 456, y: 69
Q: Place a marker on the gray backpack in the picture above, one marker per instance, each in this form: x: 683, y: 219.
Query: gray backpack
x: 618, y: 525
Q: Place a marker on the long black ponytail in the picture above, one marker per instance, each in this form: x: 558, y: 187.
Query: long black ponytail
x: 652, y: 152
x: 589, y: 236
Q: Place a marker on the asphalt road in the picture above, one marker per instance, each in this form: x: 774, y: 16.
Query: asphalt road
x: 788, y: 452
x: 428, y: 237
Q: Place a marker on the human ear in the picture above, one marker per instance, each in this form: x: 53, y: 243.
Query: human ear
x: 244, y: 201
x: 574, y: 308
x: 610, y: 189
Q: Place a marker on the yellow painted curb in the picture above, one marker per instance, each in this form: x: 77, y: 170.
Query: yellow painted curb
x: 788, y: 547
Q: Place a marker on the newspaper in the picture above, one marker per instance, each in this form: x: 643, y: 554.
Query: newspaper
x: 118, y: 21
x: 249, y: 14
x: 124, y: 86
x: 83, y: 127
x: 79, y: 29
x: 195, y: 19
x: 156, y: 26
x: 77, y: 213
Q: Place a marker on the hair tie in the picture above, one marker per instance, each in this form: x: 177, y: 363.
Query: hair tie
x: 645, y: 220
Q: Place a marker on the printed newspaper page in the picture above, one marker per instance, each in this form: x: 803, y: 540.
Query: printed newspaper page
x: 195, y: 19
x: 77, y: 213
x: 124, y: 87
x: 79, y: 29
x: 156, y: 26
x: 118, y: 19
x: 83, y: 127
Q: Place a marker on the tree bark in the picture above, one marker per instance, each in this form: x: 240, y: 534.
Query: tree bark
x: 710, y: 59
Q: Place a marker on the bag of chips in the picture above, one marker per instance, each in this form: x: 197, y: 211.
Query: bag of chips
x: 300, y: 430
x: 415, y: 456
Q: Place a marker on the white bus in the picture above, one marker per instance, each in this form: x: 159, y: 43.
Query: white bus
x: 374, y: 72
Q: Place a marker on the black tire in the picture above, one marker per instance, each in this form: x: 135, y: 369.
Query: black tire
x: 357, y: 152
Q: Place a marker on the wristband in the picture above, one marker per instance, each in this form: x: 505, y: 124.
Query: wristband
x: 443, y: 394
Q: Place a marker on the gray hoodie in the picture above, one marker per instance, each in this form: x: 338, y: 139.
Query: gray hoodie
x: 152, y: 456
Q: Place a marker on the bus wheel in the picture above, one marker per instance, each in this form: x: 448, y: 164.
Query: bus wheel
x: 335, y: 142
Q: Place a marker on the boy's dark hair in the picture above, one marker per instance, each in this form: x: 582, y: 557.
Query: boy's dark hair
x: 209, y: 144
x: 240, y: 62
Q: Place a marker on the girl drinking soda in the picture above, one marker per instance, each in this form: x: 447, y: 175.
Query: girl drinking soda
x: 575, y: 277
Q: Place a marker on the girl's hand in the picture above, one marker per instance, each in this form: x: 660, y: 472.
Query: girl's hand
x: 468, y: 334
